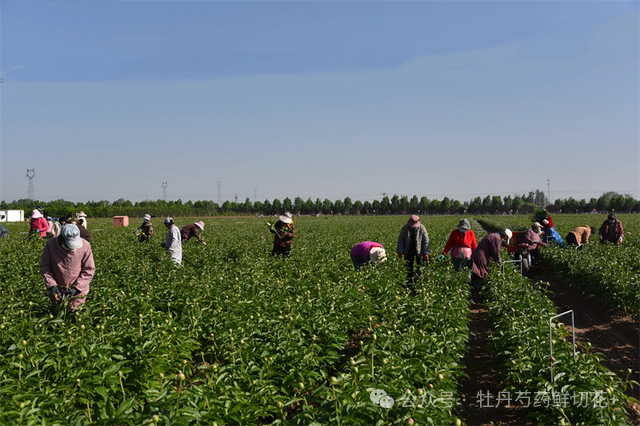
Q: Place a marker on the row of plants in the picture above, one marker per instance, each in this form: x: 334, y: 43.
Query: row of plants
x: 235, y: 336
x: 581, y: 391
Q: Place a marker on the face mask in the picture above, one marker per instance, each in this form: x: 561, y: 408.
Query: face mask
x: 612, y: 221
x: 462, y: 230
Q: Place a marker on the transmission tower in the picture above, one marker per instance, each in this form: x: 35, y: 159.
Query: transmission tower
x: 31, y: 194
x: 548, y: 191
x: 219, y: 194
x: 164, y: 191
x: 255, y: 195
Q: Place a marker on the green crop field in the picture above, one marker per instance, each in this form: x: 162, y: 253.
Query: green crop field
x: 236, y: 336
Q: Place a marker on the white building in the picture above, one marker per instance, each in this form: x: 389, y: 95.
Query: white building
x: 11, y: 215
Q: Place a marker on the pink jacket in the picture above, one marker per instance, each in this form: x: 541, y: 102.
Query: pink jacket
x: 68, y: 269
x: 40, y: 224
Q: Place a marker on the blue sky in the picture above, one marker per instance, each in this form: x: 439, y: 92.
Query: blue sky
x: 318, y: 99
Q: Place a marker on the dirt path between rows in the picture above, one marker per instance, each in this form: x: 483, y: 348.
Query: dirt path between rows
x: 483, y: 377
x: 616, y: 336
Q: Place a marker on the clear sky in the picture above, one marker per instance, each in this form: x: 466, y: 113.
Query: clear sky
x: 108, y: 99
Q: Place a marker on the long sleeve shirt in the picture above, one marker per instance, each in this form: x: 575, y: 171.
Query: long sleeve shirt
x: 582, y: 234
x: 611, y: 231
x: 40, y: 224
x: 531, y: 237
x: 284, y: 233
x: 189, y: 231
x: 459, y: 239
x: 361, y: 250
x: 68, y: 269
x: 173, y: 244
x: 413, y: 241
x: 488, y: 249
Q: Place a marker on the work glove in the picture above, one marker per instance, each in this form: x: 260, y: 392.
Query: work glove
x: 204, y: 244
x: 400, y: 255
x: 55, y: 292
x: 620, y: 240
x: 70, y: 292
x: 425, y: 257
x: 441, y: 257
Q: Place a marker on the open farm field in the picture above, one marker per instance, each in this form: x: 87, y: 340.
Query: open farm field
x: 236, y: 336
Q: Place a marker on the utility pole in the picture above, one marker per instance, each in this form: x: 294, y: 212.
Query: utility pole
x: 31, y: 194
x: 236, y: 198
x: 219, y: 194
x: 164, y: 191
x: 255, y: 195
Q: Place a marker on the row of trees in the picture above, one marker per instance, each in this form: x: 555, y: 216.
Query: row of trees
x: 495, y: 204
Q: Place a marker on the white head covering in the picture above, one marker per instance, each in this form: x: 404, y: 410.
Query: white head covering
x: 285, y: 219
x: 377, y: 254
x: 36, y: 214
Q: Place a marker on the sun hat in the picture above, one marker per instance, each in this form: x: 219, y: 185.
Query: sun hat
x: 71, y: 235
x: 414, y: 221
x: 289, y: 215
x: 200, y: 225
x: 377, y: 254
x: 612, y: 216
x: 168, y: 219
x: 536, y: 225
x: 81, y: 214
x: 147, y: 217
x: 36, y: 214
x: 508, y: 233
x: 464, y: 224
x: 285, y: 219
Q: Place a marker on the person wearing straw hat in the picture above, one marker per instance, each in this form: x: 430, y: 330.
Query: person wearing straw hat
x: 191, y: 231
x: 146, y: 229
x: 67, y: 267
x: 82, y: 219
x: 38, y: 224
x: 173, y: 242
x: 488, y: 249
x: 413, y: 245
x: 367, y: 251
x: 461, y: 243
x: 284, y: 232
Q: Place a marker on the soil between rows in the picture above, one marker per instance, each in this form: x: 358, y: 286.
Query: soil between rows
x: 616, y: 336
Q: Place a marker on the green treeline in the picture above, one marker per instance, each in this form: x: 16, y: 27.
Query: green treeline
x: 610, y: 201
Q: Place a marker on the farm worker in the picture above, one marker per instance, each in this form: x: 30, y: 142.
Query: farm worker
x: 56, y: 227
x: 191, y: 230
x: 580, y: 235
x: 38, y: 223
x: 284, y: 232
x: 82, y: 219
x: 4, y: 232
x: 611, y: 230
x: 461, y: 243
x: 84, y: 234
x: 488, y: 249
x: 532, y: 237
x: 173, y: 242
x: 413, y: 245
x: 367, y: 251
x: 67, y: 267
x: 146, y: 229
x: 543, y: 217
x: 49, y: 225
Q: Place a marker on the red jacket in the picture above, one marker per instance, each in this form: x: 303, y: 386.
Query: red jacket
x: 460, y: 239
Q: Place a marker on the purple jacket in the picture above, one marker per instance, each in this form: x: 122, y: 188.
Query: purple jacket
x: 489, y: 248
x: 361, y: 250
